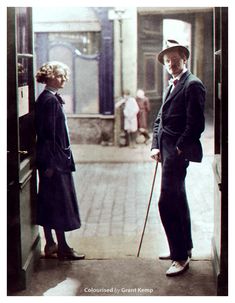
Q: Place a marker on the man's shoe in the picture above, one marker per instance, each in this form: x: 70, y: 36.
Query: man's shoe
x: 50, y: 250
x: 165, y: 257
x: 177, y: 268
x: 168, y: 257
x: 70, y: 254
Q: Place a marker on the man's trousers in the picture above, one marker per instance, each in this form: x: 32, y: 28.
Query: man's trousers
x: 173, y: 204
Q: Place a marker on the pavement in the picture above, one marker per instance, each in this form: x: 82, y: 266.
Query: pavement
x: 113, y: 186
x: 118, y: 277
x: 113, y: 199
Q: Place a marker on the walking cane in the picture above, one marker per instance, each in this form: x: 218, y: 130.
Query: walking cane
x: 146, y: 217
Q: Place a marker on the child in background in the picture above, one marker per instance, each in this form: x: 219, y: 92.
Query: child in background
x: 130, y: 111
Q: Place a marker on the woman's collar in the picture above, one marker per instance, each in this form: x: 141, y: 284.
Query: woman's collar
x: 51, y: 89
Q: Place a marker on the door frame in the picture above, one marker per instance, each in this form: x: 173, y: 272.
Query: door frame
x: 23, y: 240
x: 220, y: 237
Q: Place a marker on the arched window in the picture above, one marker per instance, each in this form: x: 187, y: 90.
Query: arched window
x: 80, y: 51
x: 72, y: 36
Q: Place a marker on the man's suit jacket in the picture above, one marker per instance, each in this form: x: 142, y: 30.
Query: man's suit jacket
x: 182, y: 116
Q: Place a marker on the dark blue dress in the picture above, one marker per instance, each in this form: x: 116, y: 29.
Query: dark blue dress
x: 57, y: 201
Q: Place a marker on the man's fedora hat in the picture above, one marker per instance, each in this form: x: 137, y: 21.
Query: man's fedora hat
x: 172, y: 45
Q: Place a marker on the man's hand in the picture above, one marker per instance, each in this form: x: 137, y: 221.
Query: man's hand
x: 155, y: 154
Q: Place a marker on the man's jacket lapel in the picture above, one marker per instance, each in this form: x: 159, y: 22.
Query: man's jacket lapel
x: 177, y: 89
x: 167, y: 93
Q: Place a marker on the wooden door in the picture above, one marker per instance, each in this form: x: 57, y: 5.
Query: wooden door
x: 23, y: 242
x: 220, y: 237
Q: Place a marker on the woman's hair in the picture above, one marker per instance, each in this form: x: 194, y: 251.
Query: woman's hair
x: 50, y: 70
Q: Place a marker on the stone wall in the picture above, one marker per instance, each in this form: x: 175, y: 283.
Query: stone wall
x: 91, y: 129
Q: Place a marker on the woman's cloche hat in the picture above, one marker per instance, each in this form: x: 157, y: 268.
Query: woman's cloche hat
x: 172, y: 45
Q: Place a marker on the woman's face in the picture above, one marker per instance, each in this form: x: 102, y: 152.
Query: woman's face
x: 59, y: 80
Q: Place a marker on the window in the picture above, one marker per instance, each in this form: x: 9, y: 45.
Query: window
x: 80, y: 51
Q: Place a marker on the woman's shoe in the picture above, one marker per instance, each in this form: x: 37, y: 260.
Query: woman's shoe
x: 70, y: 254
x: 50, y: 250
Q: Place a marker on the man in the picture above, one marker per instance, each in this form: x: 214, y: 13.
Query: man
x: 176, y: 135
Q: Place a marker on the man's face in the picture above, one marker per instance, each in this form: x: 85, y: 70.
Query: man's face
x: 174, y: 63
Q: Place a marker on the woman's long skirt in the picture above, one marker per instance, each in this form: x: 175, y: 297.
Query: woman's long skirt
x: 57, y: 202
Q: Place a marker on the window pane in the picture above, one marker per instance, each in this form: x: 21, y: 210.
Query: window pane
x: 63, y: 54
x: 22, y: 30
x: 87, y: 43
x: 79, y: 51
x: 86, y: 83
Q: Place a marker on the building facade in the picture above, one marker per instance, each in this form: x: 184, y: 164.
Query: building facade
x: 111, y: 49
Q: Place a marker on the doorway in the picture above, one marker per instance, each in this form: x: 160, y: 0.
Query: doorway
x: 23, y: 241
x: 21, y: 169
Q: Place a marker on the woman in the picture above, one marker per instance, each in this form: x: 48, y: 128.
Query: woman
x: 57, y: 202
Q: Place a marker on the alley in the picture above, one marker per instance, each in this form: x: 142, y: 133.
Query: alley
x: 113, y: 202
x: 113, y: 186
x: 113, y: 199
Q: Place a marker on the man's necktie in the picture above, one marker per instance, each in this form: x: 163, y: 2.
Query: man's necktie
x: 174, y: 82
